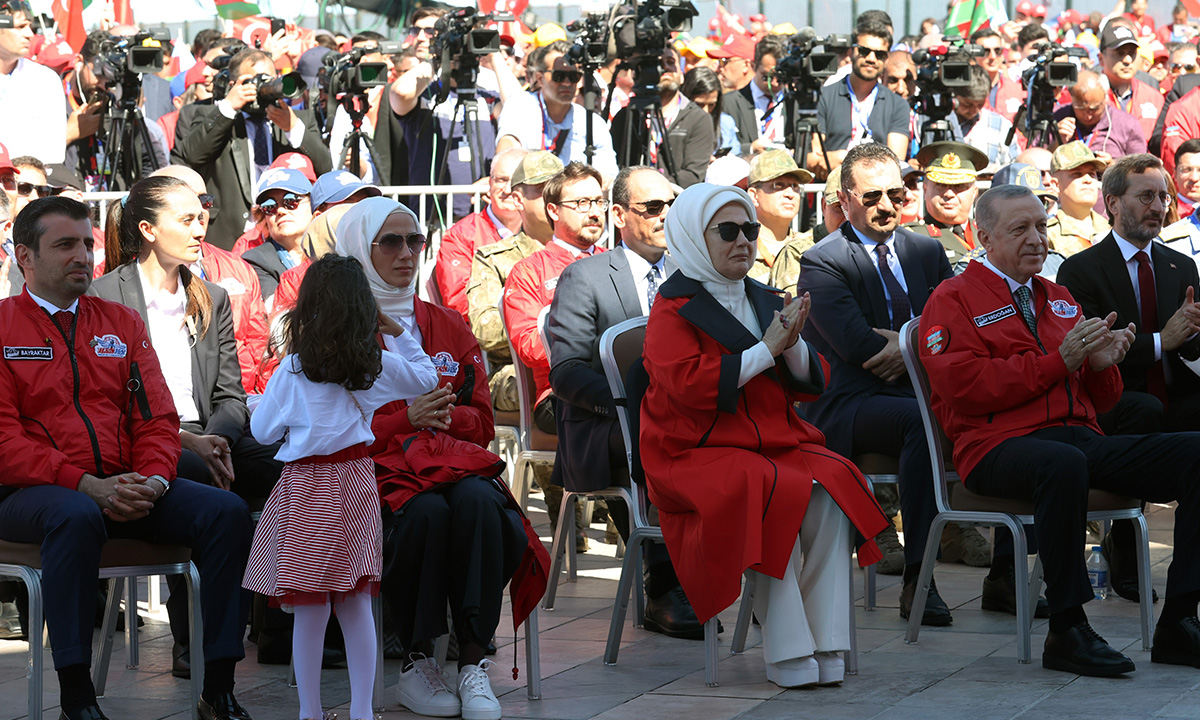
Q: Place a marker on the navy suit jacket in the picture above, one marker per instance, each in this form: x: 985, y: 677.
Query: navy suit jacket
x: 848, y: 302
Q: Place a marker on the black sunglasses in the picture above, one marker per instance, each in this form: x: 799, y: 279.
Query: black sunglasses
x: 571, y: 76
x: 729, y: 230
x: 653, y: 207
x: 25, y: 189
x: 873, y: 197
x: 208, y: 202
x: 391, y: 243
x: 270, y: 207
x: 864, y: 52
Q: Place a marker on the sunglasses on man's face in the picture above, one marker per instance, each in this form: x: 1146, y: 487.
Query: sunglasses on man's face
x: 872, y: 198
x: 24, y: 189
x: 391, y: 243
x: 652, y: 207
x: 730, y: 230
x: 566, y: 76
x: 415, y: 31
x: 270, y: 206
x: 865, y: 52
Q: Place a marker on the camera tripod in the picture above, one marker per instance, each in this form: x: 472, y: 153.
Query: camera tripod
x: 123, y: 163
x: 356, y: 107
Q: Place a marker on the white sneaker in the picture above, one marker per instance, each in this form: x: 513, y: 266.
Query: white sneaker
x: 426, y: 690
x: 475, y: 693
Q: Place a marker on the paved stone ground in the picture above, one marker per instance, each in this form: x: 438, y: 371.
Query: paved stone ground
x: 967, y: 670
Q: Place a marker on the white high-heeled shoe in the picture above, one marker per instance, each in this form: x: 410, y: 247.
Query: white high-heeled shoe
x: 832, y: 668
x: 794, y: 672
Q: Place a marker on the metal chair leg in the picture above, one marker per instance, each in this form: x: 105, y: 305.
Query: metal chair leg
x: 567, y: 510
x: 566, y: 515
x: 639, y: 585
x: 923, y: 581
x: 131, y: 618
x: 33, y: 584
x: 711, y: 658
x: 869, y: 589
x: 107, y: 632
x: 852, y: 654
x: 745, y: 610
x: 195, y: 636
x: 1145, y: 585
x: 1024, y: 616
x: 621, y: 602
x: 533, y: 658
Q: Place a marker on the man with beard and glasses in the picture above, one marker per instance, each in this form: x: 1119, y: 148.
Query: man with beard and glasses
x: 593, y: 295
x: 950, y: 190
x: 1153, y: 287
x: 860, y: 110
x: 688, y: 132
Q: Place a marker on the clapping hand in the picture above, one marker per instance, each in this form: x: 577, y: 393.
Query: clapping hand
x: 1112, y: 346
x: 1184, y: 323
x: 433, y: 409
x: 785, y: 328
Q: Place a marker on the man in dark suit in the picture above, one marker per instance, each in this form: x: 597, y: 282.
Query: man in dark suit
x: 1153, y: 287
x: 233, y: 142
x: 594, y: 294
x: 748, y: 105
x: 866, y: 280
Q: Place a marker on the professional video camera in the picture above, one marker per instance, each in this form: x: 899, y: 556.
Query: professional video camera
x: 640, y: 34
x: 121, y: 61
x: 591, y: 49
x: 1045, y: 79
x: 940, y: 70
x: 805, y: 71
x: 460, y: 39
x: 345, y: 80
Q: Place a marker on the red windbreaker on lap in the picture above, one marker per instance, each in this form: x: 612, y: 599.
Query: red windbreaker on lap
x: 990, y: 379
x: 59, y: 419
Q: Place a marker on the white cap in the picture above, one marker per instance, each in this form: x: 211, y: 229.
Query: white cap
x: 728, y: 170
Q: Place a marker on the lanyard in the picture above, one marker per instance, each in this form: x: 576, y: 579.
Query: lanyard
x: 860, y: 113
x: 552, y: 143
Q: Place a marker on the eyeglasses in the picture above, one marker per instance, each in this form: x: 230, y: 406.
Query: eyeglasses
x: 1147, y: 197
x: 1088, y: 108
x: 729, y: 230
x: 391, y: 243
x: 566, y: 76
x: 428, y: 32
x: 998, y: 52
x: 871, y: 198
x: 25, y: 189
x: 1186, y: 67
x: 584, y: 205
x: 270, y: 207
x: 652, y: 207
x: 865, y: 52
x: 776, y: 186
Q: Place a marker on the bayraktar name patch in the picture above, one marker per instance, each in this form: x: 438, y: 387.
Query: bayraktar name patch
x: 995, y: 316
x: 28, y: 353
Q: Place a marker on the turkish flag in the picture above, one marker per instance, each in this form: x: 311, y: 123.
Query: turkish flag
x: 123, y: 12
x: 69, y: 16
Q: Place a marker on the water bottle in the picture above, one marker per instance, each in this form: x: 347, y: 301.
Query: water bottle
x: 1097, y: 568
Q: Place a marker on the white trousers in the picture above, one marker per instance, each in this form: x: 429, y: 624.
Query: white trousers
x: 807, y: 610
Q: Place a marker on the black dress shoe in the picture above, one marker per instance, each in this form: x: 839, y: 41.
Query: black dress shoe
x: 90, y: 712
x: 223, y: 708
x: 1177, y: 643
x: 181, y: 661
x: 1000, y: 595
x: 1123, y: 570
x: 936, y: 612
x: 672, y: 615
x: 1082, y: 651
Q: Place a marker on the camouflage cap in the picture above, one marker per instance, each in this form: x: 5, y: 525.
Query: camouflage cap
x: 776, y: 163
x: 1073, y: 155
x: 1024, y: 176
x: 951, y: 163
x: 536, y: 168
x: 832, y: 184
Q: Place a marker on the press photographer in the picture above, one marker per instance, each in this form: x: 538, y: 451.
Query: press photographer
x: 234, y: 140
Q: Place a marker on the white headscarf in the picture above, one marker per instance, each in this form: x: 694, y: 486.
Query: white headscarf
x: 356, y: 232
x: 691, y: 213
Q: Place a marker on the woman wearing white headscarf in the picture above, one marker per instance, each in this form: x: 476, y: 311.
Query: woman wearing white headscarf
x: 740, y: 480
x: 453, y: 534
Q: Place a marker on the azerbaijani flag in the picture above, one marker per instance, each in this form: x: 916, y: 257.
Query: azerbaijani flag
x: 236, y: 9
x: 967, y: 16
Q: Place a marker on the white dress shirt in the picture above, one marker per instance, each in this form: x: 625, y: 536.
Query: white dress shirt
x: 575, y: 251
x: 34, y: 121
x: 51, y: 307
x: 1012, y: 284
x: 1128, y: 250
x: 166, y: 321
x: 893, y: 263
x: 524, y: 119
x: 639, y: 267
x: 316, y: 418
x: 294, y: 137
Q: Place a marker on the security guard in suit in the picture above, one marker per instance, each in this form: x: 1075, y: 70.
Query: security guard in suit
x: 950, y: 191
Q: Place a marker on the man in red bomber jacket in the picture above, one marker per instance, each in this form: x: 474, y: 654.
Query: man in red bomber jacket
x: 1018, y: 375
x: 89, y: 442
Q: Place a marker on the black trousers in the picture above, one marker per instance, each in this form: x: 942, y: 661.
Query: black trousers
x: 1055, y: 467
x: 459, y: 544
x: 71, y: 530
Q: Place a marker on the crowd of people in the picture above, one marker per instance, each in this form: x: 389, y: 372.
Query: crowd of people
x: 249, y: 330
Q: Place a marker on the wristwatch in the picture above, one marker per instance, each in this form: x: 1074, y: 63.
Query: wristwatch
x: 166, y: 485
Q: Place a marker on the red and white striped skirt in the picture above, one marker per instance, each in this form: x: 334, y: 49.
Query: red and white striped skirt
x: 320, y: 531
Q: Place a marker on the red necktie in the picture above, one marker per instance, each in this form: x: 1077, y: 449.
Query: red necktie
x: 1156, y: 382
x: 64, y: 318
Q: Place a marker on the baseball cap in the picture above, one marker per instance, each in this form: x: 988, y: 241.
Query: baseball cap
x: 776, y: 163
x: 1074, y: 154
x: 832, y: 184
x: 735, y: 46
x: 728, y: 170
x: 536, y: 168
x: 5, y: 160
x: 194, y: 76
x: 1039, y: 11
x: 548, y: 33
x: 297, y: 161
x: 1114, y: 35
x: 282, y: 179
x: 1023, y: 175
x: 337, y: 185
x: 951, y: 163
x: 1024, y: 8
x: 55, y: 53
x: 62, y: 176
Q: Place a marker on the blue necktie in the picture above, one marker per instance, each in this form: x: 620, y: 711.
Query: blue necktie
x: 901, y: 309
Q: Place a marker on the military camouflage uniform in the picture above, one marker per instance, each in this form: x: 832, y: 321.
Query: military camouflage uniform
x: 786, y: 269
x: 1068, y: 236
x: 489, y: 270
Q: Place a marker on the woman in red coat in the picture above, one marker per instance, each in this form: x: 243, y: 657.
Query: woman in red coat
x: 741, y: 481
x: 453, y: 534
